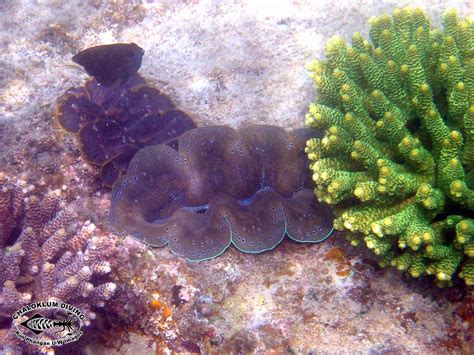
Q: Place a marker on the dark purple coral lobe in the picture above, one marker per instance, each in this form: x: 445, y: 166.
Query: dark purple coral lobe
x: 113, y: 122
x: 111, y: 62
x: 116, y: 113
x: 247, y: 187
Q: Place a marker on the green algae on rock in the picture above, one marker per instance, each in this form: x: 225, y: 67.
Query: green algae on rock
x: 397, y: 158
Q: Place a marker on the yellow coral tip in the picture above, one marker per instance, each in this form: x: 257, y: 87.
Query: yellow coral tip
x: 345, y: 87
x: 457, y: 185
x: 357, y: 144
x: 376, y: 94
x: 385, y: 34
x: 463, y: 225
x: 453, y: 162
x: 460, y: 86
x: 333, y: 129
x: 443, y: 276
x: 337, y: 73
x: 450, y: 13
x: 388, y: 115
x: 385, y: 170
x: 427, y: 237
x: 455, y: 135
x: 424, y: 88
x: 412, y: 49
x: 414, y: 153
x: 425, y: 189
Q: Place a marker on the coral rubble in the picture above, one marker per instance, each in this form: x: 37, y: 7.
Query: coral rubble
x: 397, y: 158
x: 46, y: 255
x: 247, y: 187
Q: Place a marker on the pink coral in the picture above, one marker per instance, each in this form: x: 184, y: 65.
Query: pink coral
x: 47, y: 255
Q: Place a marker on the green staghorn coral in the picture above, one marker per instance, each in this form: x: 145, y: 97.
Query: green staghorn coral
x: 397, y: 158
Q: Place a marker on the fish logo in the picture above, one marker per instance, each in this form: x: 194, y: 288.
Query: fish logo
x: 38, y: 324
x: 49, y: 323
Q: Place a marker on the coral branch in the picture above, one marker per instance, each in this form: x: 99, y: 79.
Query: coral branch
x: 397, y: 156
x: 45, y: 256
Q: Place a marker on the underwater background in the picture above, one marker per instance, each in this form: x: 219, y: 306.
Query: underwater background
x: 222, y: 62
